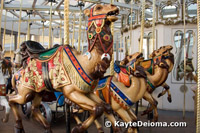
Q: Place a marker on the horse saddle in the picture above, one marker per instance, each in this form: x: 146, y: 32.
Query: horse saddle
x: 103, y: 89
x: 122, y: 73
x: 148, y: 65
x: 38, y: 51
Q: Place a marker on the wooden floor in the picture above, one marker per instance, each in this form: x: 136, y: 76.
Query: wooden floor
x: 58, y: 126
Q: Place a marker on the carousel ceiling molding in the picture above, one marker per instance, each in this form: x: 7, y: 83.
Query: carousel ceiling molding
x: 166, y: 9
x: 191, y: 11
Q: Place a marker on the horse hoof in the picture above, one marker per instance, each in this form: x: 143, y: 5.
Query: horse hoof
x: 169, y: 99
x: 100, y: 130
x: 18, y: 130
x: 159, y: 95
x: 78, y: 129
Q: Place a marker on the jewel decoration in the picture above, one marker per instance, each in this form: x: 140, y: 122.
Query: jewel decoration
x: 90, y: 36
x: 88, y: 55
x: 105, y: 55
x: 106, y: 37
x: 98, y: 29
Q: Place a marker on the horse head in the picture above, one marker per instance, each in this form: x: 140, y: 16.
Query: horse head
x: 133, y: 64
x: 164, y: 53
x: 98, y: 31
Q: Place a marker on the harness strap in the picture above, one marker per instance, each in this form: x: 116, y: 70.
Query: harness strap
x: 47, y: 81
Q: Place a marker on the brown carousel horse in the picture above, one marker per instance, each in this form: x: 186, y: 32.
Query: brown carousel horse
x: 122, y: 96
x: 66, y: 70
x: 161, y: 64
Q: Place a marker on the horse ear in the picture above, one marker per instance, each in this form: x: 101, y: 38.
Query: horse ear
x: 87, y: 12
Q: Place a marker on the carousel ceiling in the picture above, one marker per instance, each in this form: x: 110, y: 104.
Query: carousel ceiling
x: 38, y: 12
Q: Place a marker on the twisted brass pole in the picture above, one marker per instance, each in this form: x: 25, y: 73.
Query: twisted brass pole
x: 79, y: 31
x: 43, y: 33
x: 50, y: 27
x: 73, y: 35
x: 112, y: 59
x: 19, y: 24
x: 12, y: 36
x: 4, y: 31
x: 28, y: 31
x: 142, y: 25
x: 184, y: 41
x: 66, y: 22
x: 131, y: 27
x: 153, y: 24
x: 61, y: 32
x: 198, y: 69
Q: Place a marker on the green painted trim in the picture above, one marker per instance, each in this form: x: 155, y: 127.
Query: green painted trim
x: 48, y: 54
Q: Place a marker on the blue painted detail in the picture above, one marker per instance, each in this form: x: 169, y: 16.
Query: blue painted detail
x: 61, y: 99
x: 116, y: 68
x: 121, y: 94
x: 102, y: 82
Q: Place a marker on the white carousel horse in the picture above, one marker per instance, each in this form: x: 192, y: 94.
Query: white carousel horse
x: 3, y: 100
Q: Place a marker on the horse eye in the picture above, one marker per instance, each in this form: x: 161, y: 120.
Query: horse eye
x: 130, y: 56
x: 98, y: 8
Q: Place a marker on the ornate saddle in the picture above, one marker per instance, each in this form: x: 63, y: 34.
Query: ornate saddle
x: 35, y: 50
x: 122, y: 73
x: 148, y: 65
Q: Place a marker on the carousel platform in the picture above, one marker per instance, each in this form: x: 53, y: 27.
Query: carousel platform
x: 58, y: 125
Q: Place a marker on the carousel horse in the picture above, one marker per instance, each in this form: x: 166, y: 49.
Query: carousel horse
x: 122, y: 96
x: 157, y: 70
x: 3, y: 99
x: 66, y: 70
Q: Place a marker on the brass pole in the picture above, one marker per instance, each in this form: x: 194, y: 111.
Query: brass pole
x: 153, y: 24
x: 79, y: 31
x: 61, y: 32
x: 66, y: 22
x: 131, y: 27
x: 43, y: 33
x: 120, y: 46
x: 19, y: 24
x: 73, y: 35
x: 12, y: 39
x: 184, y: 41
x: 142, y: 25
x: 198, y: 72
x: 50, y: 29
x: 112, y: 59
x: 1, y: 12
x: 4, y: 31
x: 28, y: 31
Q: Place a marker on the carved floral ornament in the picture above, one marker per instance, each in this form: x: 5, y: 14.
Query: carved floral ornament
x: 167, y: 13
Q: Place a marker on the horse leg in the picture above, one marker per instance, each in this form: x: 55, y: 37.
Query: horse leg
x: 166, y: 87
x: 98, y: 126
x: 127, y: 118
x: 148, y: 97
x: 36, y: 113
x: 73, y: 94
x: 24, y: 95
x: 107, y: 111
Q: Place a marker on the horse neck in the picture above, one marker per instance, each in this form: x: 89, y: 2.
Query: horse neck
x: 95, y: 63
x: 159, y: 76
x: 137, y: 89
